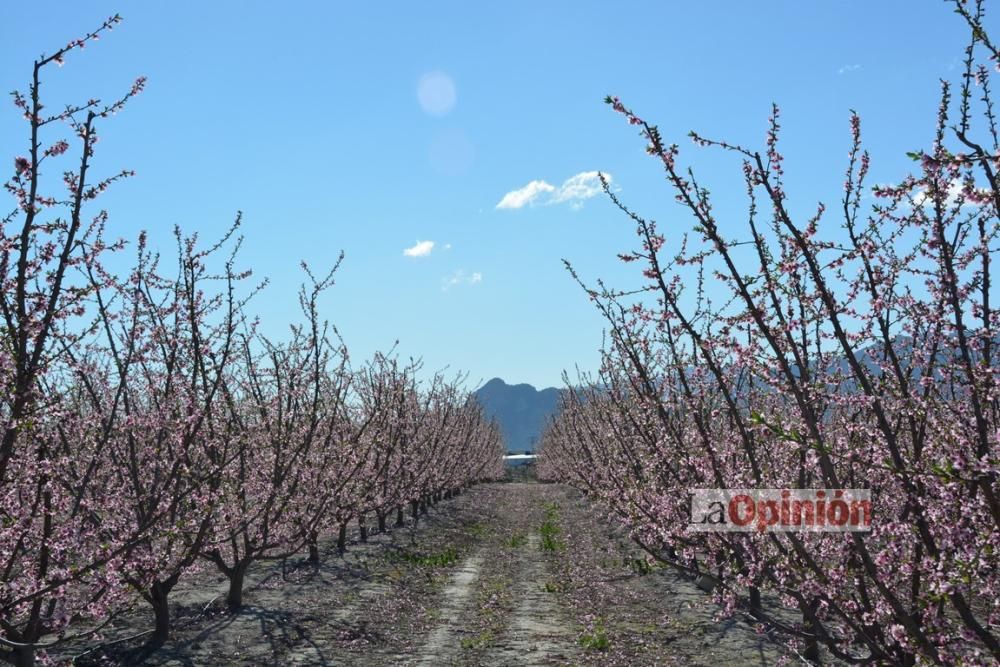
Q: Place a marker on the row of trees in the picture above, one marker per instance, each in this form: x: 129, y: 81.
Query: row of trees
x: 801, y: 352
x: 149, y: 427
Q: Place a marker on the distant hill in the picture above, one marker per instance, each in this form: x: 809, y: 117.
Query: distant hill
x: 519, y: 409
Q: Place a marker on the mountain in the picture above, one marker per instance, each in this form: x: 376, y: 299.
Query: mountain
x: 522, y: 411
x: 519, y: 409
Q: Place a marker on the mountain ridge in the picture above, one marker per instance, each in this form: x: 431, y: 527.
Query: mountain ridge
x: 520, y: 410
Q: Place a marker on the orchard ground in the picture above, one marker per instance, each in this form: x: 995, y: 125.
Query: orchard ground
x: 516, y: 573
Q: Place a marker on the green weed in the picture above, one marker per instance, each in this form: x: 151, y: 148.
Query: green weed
x: 442, y: 559
x: 517, y: 540
x: 549, y: 530
x: 596, y: 639
x: 484, y: 638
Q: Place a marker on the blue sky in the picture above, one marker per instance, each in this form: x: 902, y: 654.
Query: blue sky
x: 371, y: 127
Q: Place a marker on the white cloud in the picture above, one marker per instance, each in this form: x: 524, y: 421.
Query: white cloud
x: 460, y: 277
x: 526, y: 195
x: 848, y: 68
x: 421, y: 249
x: 574, y: 191
x: 582, y: 186
x: 955, y: 188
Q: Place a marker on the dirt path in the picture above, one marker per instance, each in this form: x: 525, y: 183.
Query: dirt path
x: 537, y: 633
x: 497, y: 608
x: 443, y: 645
x: 504, y: 574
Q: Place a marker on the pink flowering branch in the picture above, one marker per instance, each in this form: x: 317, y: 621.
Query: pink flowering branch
x: 866, y: 358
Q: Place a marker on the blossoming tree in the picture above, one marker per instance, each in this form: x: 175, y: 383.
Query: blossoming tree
x: 859, y: 353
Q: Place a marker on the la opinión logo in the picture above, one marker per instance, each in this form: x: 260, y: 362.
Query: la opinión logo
x: 761, y: 510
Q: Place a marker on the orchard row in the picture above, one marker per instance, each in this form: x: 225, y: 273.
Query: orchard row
x: 792, y: 349
x: 150, y: 428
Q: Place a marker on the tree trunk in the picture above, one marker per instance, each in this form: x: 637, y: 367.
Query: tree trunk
x: 313, y: 543
x: 754, y: 599
x: 811, y: 650
x: 362, y: 528
x: 158, y: 594
x: 22, y: 657
x: 423, y: 506
x: 399, y: 517
x: 415, y: 507
x: 342, y: 538
x: 234, y: 599
x: 381, y: 522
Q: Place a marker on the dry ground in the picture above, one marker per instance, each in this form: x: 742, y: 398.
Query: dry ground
x: 504, y: 574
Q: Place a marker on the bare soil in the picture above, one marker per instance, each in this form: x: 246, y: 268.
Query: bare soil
x: 504, y: 574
